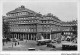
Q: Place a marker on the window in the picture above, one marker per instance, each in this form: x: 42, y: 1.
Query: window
x: 48, y: 25
x: 29, y: 21
x: 23, y: 13
x: 32, y: 17
x: 13, y: 14
x: 23, y: 21
x: 45, y: 21
x: 10, y: 30
x: 9, y: 22
x: 9, y: 14
x: 71, y: 33
x: 18, y: 13
x: 27, y: 13
x: 37, y: 20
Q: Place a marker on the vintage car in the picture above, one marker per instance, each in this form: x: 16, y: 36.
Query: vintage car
x: 31, y: 49
x: 51, y: 44
x: 14, y: 40
x: 43, y: 41
x: 69, y: 46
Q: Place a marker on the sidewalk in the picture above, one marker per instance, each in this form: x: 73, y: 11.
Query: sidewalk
x: 25, y: 45
x: 12, y: 45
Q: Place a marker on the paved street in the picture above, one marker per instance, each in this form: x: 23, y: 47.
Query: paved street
x: 23, y: 46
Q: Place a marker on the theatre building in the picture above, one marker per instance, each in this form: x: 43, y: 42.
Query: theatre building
x: 25, y: 24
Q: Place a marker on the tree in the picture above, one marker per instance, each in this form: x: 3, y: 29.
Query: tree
x: 6, y: 31
x: 38, y: 36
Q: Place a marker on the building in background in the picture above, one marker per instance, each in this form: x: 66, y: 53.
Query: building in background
x: 69, y: 29
x: 25, y: 24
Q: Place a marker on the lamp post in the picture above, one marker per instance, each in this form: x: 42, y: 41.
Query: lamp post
x: 50, y: 33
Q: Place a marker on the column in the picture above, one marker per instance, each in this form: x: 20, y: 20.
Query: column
x: 23, y: 36
x: 20, y: 36
x: 31, y: 36
x: 46, y: 35
x: 16, y: 35
x: 34, y: 36
x: 50, y: 36
x: 28, y: 36
x: 13, y: 35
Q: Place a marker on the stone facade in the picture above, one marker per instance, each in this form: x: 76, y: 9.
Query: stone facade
x: 25, y: 24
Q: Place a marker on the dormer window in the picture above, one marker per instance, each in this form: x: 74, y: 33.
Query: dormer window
x: 22, y: 6
x: 9, y: 15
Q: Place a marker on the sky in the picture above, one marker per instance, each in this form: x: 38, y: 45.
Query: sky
x: 65, y: 11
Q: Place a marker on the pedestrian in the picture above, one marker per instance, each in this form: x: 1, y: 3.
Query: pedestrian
x: 3, y: 43
x: 12, y: 44
x: 15, y: 43
x: 18, y: 43
x: 6, y: 41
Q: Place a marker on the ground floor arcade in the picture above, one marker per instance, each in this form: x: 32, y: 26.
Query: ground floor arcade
x: 32, y: 36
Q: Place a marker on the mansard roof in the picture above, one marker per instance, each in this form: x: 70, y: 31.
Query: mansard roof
x: 39, y: 16
x: 20, y: 9
x: 50, y: 16
x: 71, y: 23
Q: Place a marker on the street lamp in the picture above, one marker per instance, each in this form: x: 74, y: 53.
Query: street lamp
x: 50, y: 34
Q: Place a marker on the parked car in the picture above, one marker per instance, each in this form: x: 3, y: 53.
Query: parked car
x: 21, y: 39
x: 6, y: 39
x: 69, y: 46
x: 43, y: 41
x: 14, y: 40
x: 53, y: 41
x: 31, y: 49
x: 51, y: 44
